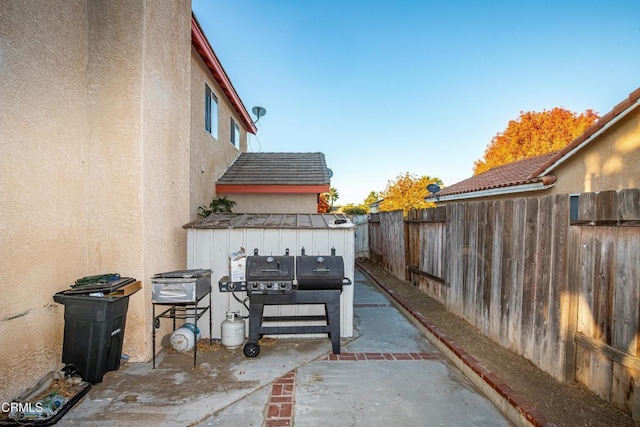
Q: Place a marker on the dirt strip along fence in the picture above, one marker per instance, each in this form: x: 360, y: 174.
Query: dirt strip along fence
x: 555, y: 279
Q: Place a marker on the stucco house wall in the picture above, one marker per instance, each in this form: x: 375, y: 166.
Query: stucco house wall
x: 210, y: 156
x: 95, y: 162
x: 612, y: 162
x: 43, y: 151
x: 274, y: 203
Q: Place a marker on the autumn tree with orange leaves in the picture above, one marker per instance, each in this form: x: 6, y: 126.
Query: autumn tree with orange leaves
x: 323, y: 203
x: 408, y: 191
x: 534, y: 133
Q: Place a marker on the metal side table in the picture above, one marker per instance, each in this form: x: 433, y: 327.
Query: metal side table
x: 181, y: 311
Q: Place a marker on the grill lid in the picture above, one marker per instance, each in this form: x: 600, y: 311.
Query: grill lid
x: 323, y: 271
x: 270, y: 268
x: 180, y: 276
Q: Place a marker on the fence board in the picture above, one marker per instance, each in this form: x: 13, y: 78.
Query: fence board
x: 470, y: 249
x: 485, y: 250
x: 586, y: 208
x: 455, y: 266
x: 627, y: 299
x: 601, y: 366
x: 507, y: 277
x: 603, y: 288
x: 585, y: 304
x: 529, y: 279
x: 629, y: 206
x: 561, y: 299
x: 496, y: 246
x: 518, y: 238
x: 542, y: 282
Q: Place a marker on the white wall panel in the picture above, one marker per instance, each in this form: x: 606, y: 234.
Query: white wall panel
x: 209, y: 248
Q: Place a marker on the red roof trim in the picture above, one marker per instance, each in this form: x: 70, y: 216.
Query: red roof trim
x: 202, y: 46
x: 280, y: 189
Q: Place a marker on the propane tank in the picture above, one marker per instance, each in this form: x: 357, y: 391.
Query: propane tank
x: 232, y: 330
x: 184, y: 338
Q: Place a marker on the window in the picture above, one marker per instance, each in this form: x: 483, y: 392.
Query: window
x: 210, y: 111
x: 235, y: 133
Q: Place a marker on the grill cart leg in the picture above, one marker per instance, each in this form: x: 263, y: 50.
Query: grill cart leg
x: 252, y: 348
x: 332, y: 309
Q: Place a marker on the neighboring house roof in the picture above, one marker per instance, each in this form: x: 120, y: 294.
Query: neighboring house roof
x: 204, y: 49
x: 533, y: 173
x: 510, y: 175
x: 276, y: 173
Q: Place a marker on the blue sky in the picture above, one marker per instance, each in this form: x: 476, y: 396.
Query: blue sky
x: 383, y: 88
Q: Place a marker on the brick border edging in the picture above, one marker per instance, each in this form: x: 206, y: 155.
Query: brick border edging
x: 358, y: 357
x: 514, y: 399
x: 281, y: 401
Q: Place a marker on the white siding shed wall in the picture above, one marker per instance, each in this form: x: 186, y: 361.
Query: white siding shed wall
x: 210, y: 248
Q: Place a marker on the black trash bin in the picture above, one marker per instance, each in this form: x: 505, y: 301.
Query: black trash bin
x: 93, y: 333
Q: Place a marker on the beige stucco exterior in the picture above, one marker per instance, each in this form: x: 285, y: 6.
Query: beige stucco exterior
x: 273, y: 202
x: 610, y: 162
x: 104, y: 158
x: 210, y: 157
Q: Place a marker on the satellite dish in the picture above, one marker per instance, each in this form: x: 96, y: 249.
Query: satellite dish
x: 330, y: 173
x: 258, y: 112
x: 433, y: 188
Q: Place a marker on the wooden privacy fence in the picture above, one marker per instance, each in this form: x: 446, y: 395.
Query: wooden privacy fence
x: 555, y: 279
x: 361, y: 235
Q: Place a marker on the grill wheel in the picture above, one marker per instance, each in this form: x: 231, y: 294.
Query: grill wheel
x: 251, y: 349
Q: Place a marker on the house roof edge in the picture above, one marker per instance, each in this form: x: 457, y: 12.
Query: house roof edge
x: 204, y: 49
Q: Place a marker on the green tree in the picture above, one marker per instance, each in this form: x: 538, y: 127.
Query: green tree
x: 534, y: 133
x: 407, y: 192
x: 372, y: 197
x: 333, y: 196
x: 352, y: 209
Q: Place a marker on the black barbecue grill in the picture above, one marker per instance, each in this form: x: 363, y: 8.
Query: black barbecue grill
x: 269, y: 274
x: 270, y: 281
x: 320, y: 272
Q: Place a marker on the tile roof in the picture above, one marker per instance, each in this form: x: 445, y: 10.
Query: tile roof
x: 277, y: 169
x: 515, y: 173
x: 536, y: 170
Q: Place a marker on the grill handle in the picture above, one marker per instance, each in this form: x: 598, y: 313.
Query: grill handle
x: 321, y: 270
x: 346, y: 281
x: 271, y: 270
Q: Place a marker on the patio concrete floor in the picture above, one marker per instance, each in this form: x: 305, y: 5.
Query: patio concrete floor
x: 387, y: 374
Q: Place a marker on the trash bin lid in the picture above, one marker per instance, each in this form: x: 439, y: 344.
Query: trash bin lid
x: 183, y: 274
